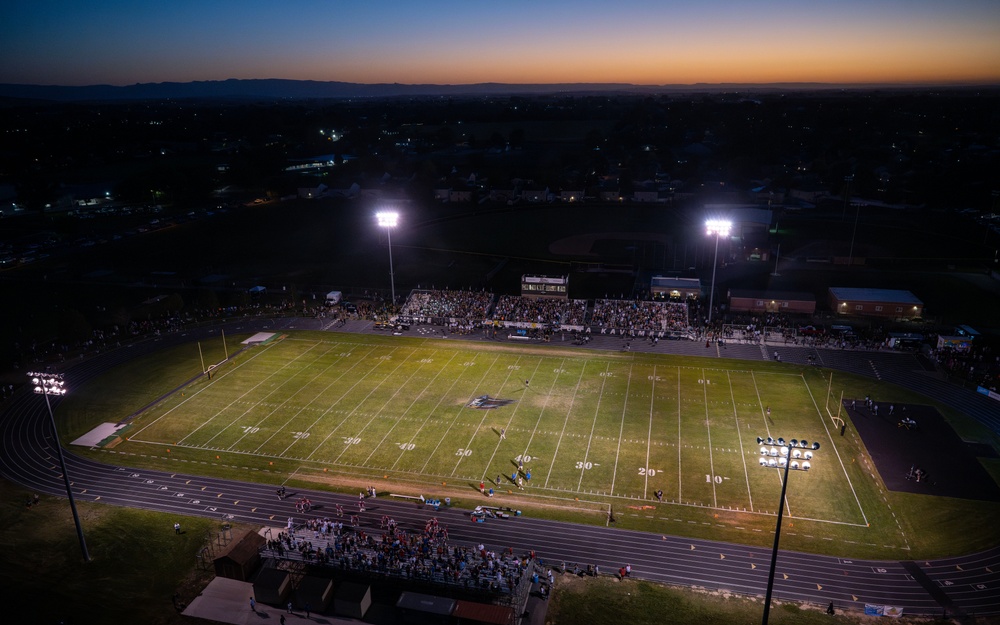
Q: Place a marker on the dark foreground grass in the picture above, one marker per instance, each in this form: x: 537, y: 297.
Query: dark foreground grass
x: 138, y: 563
x: 606, y: 601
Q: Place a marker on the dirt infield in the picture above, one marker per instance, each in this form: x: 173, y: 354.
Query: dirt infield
x: 949, y: 464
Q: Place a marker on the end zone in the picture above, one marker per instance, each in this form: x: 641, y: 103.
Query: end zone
x: 95, y: 437
x: 260, y: 337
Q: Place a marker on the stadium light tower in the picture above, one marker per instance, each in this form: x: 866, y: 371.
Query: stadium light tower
x: 52, y: 384
x: 720, y: 228
x: 775, y: 453
x: 389, y: 220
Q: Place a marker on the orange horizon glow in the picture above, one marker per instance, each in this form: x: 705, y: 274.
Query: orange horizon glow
x: 637, y: 42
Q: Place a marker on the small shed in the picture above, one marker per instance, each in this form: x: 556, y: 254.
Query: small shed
x: 315, y: 592
x: 242, y: 559
x: 272, y: 586
x: 420, y: 608
x: 352, y: 599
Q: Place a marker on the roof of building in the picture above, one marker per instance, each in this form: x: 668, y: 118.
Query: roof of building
x: 874, y: 295
x: 784, y: 296
x: 667, y: 282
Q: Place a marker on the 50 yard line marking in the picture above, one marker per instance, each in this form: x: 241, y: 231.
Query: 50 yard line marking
x: 430, y: 414
x: 444, y: 435
x: 486, y: 415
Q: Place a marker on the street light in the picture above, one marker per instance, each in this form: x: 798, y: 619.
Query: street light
x: 775, y: 453
x: 52, y: 384
x: 388, y: 220
x: 720, y: 228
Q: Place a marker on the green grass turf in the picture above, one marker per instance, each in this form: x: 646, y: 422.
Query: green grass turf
x: 606, y: 601
x: 595, y: 429
x: 138, y: 562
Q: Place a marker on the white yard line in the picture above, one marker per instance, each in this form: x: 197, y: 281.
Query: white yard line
x: 249, y: 391
x: 486, y: 415
x: 572, y: 401
x: 835, y: 451
x: 346, y: 417
x: 330, y: 408
x: 708, y: 430
x: 378, y: 413
x: 246, y: 431
x: 649, y: 436
x: 134, y: 437
x: 403, y: 447
x: 416, y: 397
x: 760, y: 403
x: 739, y: 433
x: 621, y: 430
x: 534, y: 430
x: 679, y: 438
x: 767, y: 428
x: 593, y: 424
x: 323, y: 414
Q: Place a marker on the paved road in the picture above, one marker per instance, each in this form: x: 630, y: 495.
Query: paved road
x: 963, y: 585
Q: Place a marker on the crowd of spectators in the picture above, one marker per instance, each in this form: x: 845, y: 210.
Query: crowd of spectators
x: 520, y: 309
x: 640, y: 316
x: 473, y: 305
x: 977, y: 365
x: 394, y: 552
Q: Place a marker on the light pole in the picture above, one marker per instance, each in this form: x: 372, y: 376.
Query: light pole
x: 848, y: 179
x: 775, y: 453
x: 52, y: 384
x: 720, y: 228
x: 388, y: 220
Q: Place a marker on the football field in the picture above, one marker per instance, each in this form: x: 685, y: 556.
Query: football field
x: 614, y: 427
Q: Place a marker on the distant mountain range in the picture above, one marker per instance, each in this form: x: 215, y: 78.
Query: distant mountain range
x: 311, y: 89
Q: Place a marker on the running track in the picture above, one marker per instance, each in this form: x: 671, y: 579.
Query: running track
x: 965, y: 585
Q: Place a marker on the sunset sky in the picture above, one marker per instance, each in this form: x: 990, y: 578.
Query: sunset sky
x: 648, y: 42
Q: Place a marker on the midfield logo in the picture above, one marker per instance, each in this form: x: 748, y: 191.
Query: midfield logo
x: 485, y: 402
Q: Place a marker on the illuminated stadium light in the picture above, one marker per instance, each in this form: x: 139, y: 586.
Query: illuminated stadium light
x: 777, y: 454
x: 53, y: 384
x: 720, y: 228
x: 389, y: 220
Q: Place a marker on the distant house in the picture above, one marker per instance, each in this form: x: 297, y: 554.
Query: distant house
x: 311, y: 193
x: 535, y: 195
x: 646, y: 195
x: 894, y: 304
x: 501, y: 195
